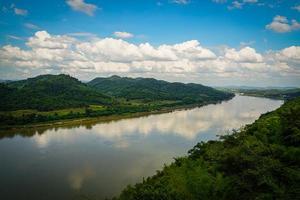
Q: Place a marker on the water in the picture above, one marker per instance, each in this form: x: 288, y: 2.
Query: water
x: 95, y: 161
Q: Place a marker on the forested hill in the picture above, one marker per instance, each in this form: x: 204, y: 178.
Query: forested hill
x: 58, y: 97
x: 260, y: 161
x: 149, y: 89
x: 49, y: 92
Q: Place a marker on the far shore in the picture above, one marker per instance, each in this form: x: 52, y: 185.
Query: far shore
x: 94, y: 120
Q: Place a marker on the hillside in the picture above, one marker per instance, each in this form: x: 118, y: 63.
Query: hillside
x: 58, y: 97
x: 149, y: 89
x: 273, y: 93
x: 49, y: 92
x: 261, y: 161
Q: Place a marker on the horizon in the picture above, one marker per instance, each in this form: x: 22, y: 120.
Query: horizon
x: 213, y: 86
x: 218, y: 43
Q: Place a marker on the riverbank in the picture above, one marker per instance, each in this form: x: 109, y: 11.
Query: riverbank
x: 259, y: 161
x: 113, y: 154
x: 97, y: 119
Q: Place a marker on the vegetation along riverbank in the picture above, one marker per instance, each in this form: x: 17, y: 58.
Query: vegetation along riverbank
x: 260, y: 161
x: 59, y: 98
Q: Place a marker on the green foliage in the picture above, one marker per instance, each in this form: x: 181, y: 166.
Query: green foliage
x: 149, y: 89
x: 34, y: 100
x: 49, y: 92
x: 261, y: 161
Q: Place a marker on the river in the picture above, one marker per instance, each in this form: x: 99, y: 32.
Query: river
x: 95, y: 161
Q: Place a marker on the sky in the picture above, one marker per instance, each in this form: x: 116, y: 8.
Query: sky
x: 213, y: 42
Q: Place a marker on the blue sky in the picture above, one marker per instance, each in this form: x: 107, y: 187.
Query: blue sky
x: 158, y: 23
x: 213, y: 23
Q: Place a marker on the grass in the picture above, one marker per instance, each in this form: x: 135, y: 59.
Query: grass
x: 33, y: 118
x: 60, y: 113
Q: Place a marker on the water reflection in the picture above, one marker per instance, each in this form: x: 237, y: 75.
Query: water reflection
x: 79, y: 175
x: 100, y: 159
x: 187, y: 124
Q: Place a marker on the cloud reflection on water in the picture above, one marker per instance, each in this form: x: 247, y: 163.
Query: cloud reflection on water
x: 187, y: 124
x: 78, y: 176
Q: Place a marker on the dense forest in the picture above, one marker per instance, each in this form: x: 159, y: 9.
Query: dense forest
x: 149, y: 89
x: 260, y: 161
x: 55, y: 97
x: 49, y: 92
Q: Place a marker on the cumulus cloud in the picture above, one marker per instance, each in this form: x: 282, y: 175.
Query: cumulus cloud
x: 290, y: 53
x: 81, y: 6
x: 246, y: 55
x: 120, y: 34
x: 281, y: 24
x: 90, y: 57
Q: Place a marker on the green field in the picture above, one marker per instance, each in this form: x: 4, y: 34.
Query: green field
x: 60, y: 112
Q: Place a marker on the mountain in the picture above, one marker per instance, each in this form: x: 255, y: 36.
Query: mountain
x: 49, y: 92
x: 260, y: 161
x: 149, y: 89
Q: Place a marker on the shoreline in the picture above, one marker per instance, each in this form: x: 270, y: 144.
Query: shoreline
x: 100, y: 119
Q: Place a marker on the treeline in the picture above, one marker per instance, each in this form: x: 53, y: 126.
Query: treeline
x: 283, y: 94
x: 149, y: 89
x: 28, y: 101
x: 261, y: 161
x: 49, y: 92
x: 39, y: 117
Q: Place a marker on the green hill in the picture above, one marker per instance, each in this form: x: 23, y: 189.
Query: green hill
x: 49, y: 92
x: 149, y: 89
x: 261, y: 161
x: 58, y: 97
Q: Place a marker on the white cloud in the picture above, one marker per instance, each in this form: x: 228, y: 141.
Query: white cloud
x: 246, y: 55
x: 296, y: 8
x: 239, y: 4
x: 120, y: 34
x: 250, y: 1
x: 19, y: 11
x: 31, y: 26
x: 42, y: 39
x: 235, y: 5
x: 291, y: 53
x: 219, y: 1
x: 281, y: 24
x: 82, y: 34
x: 181, y: 1
x: 89, y: 57
x: 81, y: 6
x: 14, y: 37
